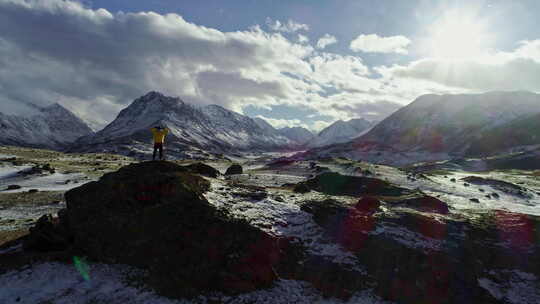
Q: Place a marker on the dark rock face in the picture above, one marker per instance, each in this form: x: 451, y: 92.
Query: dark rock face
x: 49, y: 234
x: 234, y: 169
x: 153, y: 215
x: 459, y: 251
x: 203, y: 169
x: 336, y: 184
x: 347, y: 225
x: 301, y: 188
x: 426, y: 204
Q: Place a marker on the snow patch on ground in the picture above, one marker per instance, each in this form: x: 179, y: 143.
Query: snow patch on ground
x: 282, y: 218
x: 11, y: 217
x: 408, y: 238
x: 61, y: 283
x: 53, y: 182
x: 7, y: 172
x: 512, y: 286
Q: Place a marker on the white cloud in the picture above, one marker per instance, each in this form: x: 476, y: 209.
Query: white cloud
x: 374, y: 44
x: 288, y: 27
x: 325, y: 41
x: 516, y: 70
x: 100, y: 61
x: 113, y: 58
x: 302, y: 39
x: 318, y: 125
x: 281, y: 123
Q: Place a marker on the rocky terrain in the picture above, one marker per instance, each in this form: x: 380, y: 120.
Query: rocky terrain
x: 264, y: 229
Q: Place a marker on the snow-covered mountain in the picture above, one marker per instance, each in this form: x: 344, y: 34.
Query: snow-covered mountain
x: 340, y: 132
x: 298, y: 134
x: 52, y: 127
x: 209, y: 128
x: 436, y: 127
x: 264, y: 125
x: 516, y: 135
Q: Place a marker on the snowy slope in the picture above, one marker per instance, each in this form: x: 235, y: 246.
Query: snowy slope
x: 209, y: 128
x: 264, y: 124
x: 298, y: 134
x: 437, y: 127
x: 340, y: 131
x: 53, y: 127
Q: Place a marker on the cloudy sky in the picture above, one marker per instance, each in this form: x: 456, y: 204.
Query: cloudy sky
x: 295, y: 63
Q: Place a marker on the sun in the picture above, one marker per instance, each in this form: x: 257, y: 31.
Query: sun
x: 458, y: 36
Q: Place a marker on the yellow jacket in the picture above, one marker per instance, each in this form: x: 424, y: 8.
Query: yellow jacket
x: 159, y: 135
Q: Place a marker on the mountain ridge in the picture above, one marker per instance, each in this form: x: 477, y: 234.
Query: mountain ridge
x: 53, y: 127
x: 436, y: 127
x: 206, y: 129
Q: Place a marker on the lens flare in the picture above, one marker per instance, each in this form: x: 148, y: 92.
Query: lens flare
x: 82, y: 267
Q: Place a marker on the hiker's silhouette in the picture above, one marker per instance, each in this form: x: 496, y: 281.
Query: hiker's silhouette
x: 159, y: 134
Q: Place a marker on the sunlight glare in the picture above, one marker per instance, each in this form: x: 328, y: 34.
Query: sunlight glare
x: 459, y: 36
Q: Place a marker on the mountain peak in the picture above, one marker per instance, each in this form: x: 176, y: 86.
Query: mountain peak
x: 152, y: 95
x: 54, y: 107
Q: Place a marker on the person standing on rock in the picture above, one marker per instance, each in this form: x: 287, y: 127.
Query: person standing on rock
x: 159, y: 134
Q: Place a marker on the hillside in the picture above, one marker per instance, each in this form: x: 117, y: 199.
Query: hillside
x: 53, y: 127
x: 198, y: 130
x: 340, y: 132
x: 438, y: 127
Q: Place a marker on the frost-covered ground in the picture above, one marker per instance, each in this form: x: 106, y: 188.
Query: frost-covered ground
x: 277, y: 212
x: 100, y: 283
x: 512, y: 286
x: 48, y: 182
x: 280, y: 215
x: 457, y: 194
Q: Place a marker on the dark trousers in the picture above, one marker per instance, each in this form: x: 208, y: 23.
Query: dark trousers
x: 158, y: 146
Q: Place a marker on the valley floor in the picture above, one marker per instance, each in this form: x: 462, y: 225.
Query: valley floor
x: 32, y: 183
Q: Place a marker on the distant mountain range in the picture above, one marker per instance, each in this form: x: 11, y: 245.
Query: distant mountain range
x: 194, y: 130
x: 432, y: 127
x: 340, y: 132
x: 53, y: 127
x: 437, y: 127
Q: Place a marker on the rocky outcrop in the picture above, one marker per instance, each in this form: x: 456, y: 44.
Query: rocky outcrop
x: 234, y: 169
x: 332, y: 183
x: 49, y: 234
x: 154, y: 215
x: 203, y: 169
x: 426, y: 258
x: 424, y: 203
x: 503, y: 186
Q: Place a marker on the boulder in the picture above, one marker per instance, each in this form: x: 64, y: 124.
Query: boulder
x: 49, y: 234
x: 425, y: 203
x: 234, y: 169
x: 13, y: 187
x: 203, y: 169
x: 348, y: 225
x: 301, y: 188
x: 336, y: 184
x: 153, y: 215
